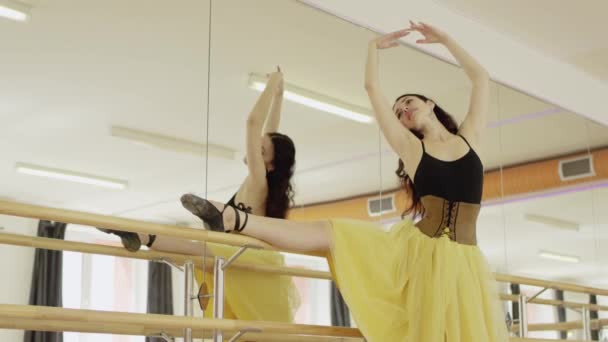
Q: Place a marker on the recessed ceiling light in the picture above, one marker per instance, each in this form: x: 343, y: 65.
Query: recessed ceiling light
x: 71, y: 176
x: 559, y: 257
x: 14, y: 10
x: 170, y: 143
x: 552, y: 222
x: 317, y: 101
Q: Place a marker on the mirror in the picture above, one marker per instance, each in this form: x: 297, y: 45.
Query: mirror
x: 142, y: 107
x: 110, y: 97
x: 325, y: 111
x: 552, y: 185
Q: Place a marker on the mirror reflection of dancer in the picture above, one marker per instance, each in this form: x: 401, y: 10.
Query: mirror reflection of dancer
x: 266, y: 191
x: 424, y: 281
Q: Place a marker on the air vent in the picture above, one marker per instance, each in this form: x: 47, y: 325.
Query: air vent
x: 576, y: 168
x: 381, y: 205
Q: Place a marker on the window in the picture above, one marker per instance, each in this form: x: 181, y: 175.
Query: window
x: 315, y: 294
x: 99, y: 282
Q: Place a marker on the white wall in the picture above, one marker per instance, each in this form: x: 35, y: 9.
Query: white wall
x: 16, y: 267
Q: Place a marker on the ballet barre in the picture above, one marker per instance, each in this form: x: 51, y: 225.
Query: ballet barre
x: 181, y: 259
x: 60, y: 319
x: 29, y: 317
x: 595, y: 324
x: 219, y: 265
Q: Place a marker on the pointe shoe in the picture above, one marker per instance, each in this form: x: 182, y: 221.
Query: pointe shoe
x: 193, y: 204
x: 212, y: 216
x: 129, y: 240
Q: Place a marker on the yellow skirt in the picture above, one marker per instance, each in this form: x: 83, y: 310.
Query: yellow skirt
x: 253, y: 295
x: 403, y: 286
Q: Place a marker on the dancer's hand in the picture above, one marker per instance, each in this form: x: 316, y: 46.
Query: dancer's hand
x: 431, y: 34
x: 275, y: 78
x: 280, y: 86
x: 390, y: 40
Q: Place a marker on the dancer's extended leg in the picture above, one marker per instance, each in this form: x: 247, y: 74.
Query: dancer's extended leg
x: 291, y: 235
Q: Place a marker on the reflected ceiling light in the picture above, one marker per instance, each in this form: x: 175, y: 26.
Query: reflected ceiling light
x: 71, y: 176
x: 317, y: 101
x: 14, y: 10
x: 171, y: 144
x: 525, y: 117
x: 559, y: 257
x: 552, y: 222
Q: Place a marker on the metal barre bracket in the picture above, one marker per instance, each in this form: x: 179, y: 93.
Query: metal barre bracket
x: 169, y: 262
x: 165, y: 337
x: 537, y: 294
x: 237, y: 254
x: 243, y: 332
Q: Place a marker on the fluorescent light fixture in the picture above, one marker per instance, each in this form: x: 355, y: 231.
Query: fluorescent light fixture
x: 316, y: 101
x: 171, y: 144
x: 71, y: 176
x: 14, y: 10
x: 559, y: 257
x: 552, y: 222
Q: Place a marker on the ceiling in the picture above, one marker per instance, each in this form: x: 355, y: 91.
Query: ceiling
x: 78, y: 68
x: 573, y: 32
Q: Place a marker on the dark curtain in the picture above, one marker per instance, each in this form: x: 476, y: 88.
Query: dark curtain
x: 515, y: 305
x: 160, y: 292
x: 340, y: 315
x: 595, y: 334
x: 46, y: 288
x: 561, y: 313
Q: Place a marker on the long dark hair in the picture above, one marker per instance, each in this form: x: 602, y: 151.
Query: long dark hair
x: 407, y: 184
x: 280, y: 190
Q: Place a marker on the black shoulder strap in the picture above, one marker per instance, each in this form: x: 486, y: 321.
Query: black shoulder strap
x: 465, y: 140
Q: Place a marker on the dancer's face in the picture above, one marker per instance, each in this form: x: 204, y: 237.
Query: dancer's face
x: 413, y: 112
